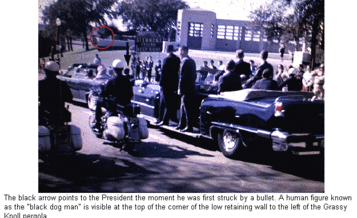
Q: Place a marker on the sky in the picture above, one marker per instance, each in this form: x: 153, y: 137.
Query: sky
x: 224, y: 9
x: 227, y: 9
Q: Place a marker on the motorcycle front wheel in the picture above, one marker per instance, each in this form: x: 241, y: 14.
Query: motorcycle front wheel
x: 92, y: 121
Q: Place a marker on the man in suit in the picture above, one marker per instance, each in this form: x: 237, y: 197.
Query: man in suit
x: 169, y: 84
x: 229, y: 81
x: 294, y: 82
x: 264, y: 65
x: 242, y: 67
x: 266, y: 83
x: 187, y: 90
x: 260, y: 69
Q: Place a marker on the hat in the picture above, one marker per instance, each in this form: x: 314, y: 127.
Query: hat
x: 170, y: 48
x: 52, y: 66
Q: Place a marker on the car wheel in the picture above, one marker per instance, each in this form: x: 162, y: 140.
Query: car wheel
x: 91, y: 102
x: 229, y: 142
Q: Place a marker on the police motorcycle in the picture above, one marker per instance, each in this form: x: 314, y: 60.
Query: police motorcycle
x: 55, y: 135
x: 122, y: 127
x: 118, y: 123
x: 57, y: 138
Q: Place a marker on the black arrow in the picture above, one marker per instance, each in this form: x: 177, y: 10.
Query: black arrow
x: 127, y: 56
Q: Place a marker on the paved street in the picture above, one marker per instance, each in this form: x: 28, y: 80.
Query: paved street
x: 169, y: 162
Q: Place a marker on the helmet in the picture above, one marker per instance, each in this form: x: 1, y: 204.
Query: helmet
x: 52, y: 66
x: 118, y: 64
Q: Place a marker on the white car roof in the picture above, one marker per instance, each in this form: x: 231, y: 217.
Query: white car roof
x: 248, y: 94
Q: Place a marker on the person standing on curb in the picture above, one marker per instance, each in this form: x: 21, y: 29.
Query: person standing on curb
x: 187, y: 91
x: 97, y: 60
x: 168, y: 83
x: 282, y: 51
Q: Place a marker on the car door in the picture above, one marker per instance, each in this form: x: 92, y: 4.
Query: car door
x: 148, y: 97
x: 85, y: 85
x: 69, y: 79
x: 74, y: 84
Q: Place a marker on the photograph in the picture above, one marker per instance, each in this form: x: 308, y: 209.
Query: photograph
x: 167, y: 96
x: 181, y: 106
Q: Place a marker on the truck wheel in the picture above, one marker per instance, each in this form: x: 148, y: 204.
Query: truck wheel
x: 229, y: 143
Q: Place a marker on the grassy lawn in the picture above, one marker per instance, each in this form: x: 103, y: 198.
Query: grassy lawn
x: 80, y: 55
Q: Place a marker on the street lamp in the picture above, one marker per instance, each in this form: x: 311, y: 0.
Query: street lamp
x: 58, y: 23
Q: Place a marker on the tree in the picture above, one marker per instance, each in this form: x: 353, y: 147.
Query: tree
x: 268, y: 18
x: 292, y: 19
x: 105, y: 33
x: 150, y: 15
x: 77, y: 15
x: 312, y: 14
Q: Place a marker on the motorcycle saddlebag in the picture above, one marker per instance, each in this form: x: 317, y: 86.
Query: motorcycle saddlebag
x: 44, y: 140
x: 115, y: 129
x: 76, y: 138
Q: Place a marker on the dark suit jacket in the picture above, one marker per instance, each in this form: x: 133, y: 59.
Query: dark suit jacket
x: 242, y: 68
x: 292, y: 83
x: 266, y: 84
x: 53, y: 94
x: 187, y: 76
x: 261, y: 68
x: 170, y: 72
x: 229, y: 82
x: 120, y: 88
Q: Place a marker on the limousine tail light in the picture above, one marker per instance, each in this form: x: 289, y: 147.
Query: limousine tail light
x: 279, y: 109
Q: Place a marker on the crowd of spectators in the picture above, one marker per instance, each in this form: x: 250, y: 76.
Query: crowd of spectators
x: 301, y: 79
x: 216, y: 79
x: 143, y: 69
x: 286, y: 78
x: 210, y: 77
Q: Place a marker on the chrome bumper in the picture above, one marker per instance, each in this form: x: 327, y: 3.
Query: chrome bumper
x: 297, y: 143
x: 281, y: 141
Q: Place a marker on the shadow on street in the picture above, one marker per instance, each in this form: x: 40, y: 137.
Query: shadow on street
x: 157, y: 150
x: 308, y: 167
x: 68, y: 172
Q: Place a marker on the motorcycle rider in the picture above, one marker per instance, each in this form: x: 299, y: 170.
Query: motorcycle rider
x: 52, y: 95
x: 117, y: 90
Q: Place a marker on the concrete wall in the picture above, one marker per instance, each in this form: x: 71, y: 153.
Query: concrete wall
x: 197, y: 16
x: 211, y: 40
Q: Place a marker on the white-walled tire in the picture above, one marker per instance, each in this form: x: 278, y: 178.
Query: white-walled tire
x: 229, y: 142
